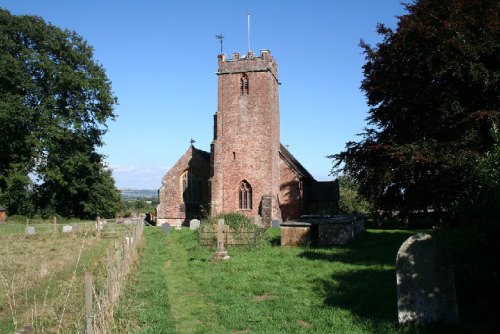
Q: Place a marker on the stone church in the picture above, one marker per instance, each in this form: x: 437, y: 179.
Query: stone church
x: 247, y: 169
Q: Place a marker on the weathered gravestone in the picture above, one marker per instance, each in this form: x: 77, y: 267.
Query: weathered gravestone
x: 194, y: 224
x: 425, y: 282
x: 275, y: 223
x: 30, y: 230
x: 67, y: 229
x: 220, y: 254
x: 177, y: 224
x: 165, y: 228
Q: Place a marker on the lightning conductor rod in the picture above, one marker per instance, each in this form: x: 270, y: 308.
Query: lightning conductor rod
x: 248, y: 19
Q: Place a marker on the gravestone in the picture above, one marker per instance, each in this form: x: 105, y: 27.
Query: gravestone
x: 166, y: 228
x: 220, y: 254
x: 425, y: 282
x: 67, y: 229
x: 30, y: 230
x: 177, y: 224
x: 275, y: 224
x: 194, y: 224
x: 130, y: 240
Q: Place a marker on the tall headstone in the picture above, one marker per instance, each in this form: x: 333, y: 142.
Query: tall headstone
x: 221, y: 253
x: 425, y: 282
x: 194, y: 224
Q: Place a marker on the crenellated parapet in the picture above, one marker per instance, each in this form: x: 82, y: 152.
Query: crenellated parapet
x: 248, y: 63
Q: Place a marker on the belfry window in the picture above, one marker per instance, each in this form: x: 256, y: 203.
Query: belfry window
x: 190, y: 187
x: 245, y: 196
x: 244, y: 85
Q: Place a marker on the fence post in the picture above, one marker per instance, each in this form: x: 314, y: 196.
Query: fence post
x: 88, y: 303
x: 55, y: 224
x: 98, y: 225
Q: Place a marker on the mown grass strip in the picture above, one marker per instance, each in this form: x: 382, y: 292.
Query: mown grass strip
x: 144, y: 306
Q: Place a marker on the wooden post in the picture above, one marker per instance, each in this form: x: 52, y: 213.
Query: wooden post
x: 55, y: 224
x: 98, y: 225
x: 89, y: 316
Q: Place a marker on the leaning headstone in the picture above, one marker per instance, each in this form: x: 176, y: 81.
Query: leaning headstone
x: 30, y: 230
x: 67, y: 229
x: 166, y: 228
x: 425, y: 282
x: 194, y: 224
x: 275, y: 223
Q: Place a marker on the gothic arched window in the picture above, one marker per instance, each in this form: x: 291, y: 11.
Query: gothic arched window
x: 245, y: 196
x: 190, y: 187
x: 244, y: 85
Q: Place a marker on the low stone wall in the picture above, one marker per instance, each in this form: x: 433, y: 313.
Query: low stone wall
x: 322, y: 231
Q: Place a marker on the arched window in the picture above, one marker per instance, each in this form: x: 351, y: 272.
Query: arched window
x: 245, y: 196
x: 244, y: 85
x: 190, y: 187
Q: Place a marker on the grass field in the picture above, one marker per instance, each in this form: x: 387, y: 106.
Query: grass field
x: 271, y: 289
x: 41, y: 276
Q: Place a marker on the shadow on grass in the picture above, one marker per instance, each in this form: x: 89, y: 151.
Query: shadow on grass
x: 368, y: 293
x: 370, y: 290
x: 370, y: 248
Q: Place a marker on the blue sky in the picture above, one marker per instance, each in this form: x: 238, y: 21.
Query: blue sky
x: 161, y: 57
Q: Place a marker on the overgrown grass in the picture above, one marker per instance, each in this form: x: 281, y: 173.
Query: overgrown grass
x: 41, y: 276
x: 269, y: 289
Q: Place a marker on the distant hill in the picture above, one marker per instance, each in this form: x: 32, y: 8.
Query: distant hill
x: 138, y: 193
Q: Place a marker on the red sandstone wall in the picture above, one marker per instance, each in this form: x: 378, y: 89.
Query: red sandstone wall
x: 171, y: 204
x: 247, y: 141
x: 290, y: 197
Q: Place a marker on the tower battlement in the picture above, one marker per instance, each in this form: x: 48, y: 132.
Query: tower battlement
x: 248, y: 63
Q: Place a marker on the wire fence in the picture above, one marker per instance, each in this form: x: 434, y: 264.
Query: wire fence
x: 101, y: 297
x: 43, y: 266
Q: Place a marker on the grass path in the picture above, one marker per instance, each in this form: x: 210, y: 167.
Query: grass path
x: 161, y: 297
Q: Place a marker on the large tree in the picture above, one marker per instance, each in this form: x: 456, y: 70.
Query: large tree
x: 433, y: 90
x: 55, y: 101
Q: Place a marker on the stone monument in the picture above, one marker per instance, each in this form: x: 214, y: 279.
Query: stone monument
x: 425, y: 282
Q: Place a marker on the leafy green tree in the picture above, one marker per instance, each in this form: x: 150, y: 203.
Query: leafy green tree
x: 432, y: 86
x: 55, y: 101
x: 350, y: 198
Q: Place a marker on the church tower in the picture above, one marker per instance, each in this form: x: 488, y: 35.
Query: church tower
x: 245, y: 150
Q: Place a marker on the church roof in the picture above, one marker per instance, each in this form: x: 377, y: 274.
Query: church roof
x: 294, y: 163
x: 203, y: 154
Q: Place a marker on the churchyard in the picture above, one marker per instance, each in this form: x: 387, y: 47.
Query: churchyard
x: 178, y: 287
x: 269, y: 289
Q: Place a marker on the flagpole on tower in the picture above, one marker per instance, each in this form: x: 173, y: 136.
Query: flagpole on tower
x: 248, y: 19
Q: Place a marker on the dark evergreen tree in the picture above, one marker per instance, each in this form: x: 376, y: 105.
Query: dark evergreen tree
x: 55, y: 101
x: 433, y: 90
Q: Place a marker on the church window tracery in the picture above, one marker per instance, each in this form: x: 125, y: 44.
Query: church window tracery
x: 244, y: 85
x: 245, y: 196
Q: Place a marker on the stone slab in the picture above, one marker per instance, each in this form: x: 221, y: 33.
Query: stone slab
x: 67, y: 229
